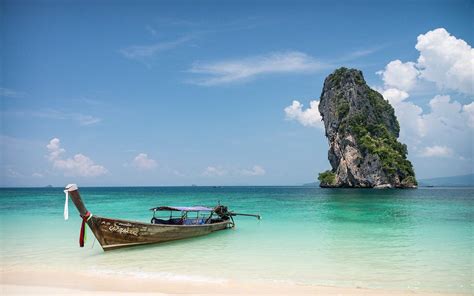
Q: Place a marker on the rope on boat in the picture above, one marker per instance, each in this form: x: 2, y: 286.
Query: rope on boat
x: 82, y: 234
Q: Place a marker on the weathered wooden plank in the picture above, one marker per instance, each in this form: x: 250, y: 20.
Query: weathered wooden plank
x: 115, y: 233
x: 118, y: 233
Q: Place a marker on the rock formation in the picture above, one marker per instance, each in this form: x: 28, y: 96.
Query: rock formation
x: 362, y: 131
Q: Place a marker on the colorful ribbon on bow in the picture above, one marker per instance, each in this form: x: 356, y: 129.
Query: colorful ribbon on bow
x: 82, y: 235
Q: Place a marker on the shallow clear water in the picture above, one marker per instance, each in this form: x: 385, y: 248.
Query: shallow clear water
x: 394, y: 239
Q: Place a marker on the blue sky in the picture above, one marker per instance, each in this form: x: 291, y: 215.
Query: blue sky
x: 194, y: 92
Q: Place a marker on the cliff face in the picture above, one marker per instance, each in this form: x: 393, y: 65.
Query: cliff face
x: 362, y: 131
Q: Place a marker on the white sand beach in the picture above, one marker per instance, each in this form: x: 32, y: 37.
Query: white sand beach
x: 39, y: 282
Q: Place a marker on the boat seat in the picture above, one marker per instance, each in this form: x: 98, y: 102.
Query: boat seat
x: 158, y: 221
x: 194, y: 221
x: 165, y: 222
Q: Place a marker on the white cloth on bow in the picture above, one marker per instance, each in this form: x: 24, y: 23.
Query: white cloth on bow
x: 66, y: 207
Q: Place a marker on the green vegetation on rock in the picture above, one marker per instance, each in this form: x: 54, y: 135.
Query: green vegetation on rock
x: 382, y: 108
x: 375, y: 138
x: 342, y: 109
x: 359, y: 80
x: 359, y: 117
x: 327, y: 178
x: 409, y: 181
x: 336, y: 77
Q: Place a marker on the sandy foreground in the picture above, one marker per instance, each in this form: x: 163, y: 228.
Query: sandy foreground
x: 37, y: 282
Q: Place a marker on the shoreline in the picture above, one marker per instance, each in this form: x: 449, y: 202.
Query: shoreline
x: 46, y: 282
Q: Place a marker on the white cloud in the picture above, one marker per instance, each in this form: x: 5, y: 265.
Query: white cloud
x: 446, y: 114
x: 37, y: 175
x: 408, y: 114
x: 400, y: 75
x: 11, y: 93
x: 141, y: 52
x: 212, y: 171
x: 469, y: 111
x: 143, y: 162
x: 81, y: 119
x: 437, y: 151
x: 358, y: 54
x: 447, y: 122
x: 86, y: 119
x: 446, y: 60
x: 55, y: 150
x: 228, y: 71
x: 79, y: 165
x: 256, y: 170
x: 394, y: 95
x: 309, y: 117
x: 13, y: 173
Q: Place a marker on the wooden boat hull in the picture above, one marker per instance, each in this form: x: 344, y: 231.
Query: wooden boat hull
x: 114, y: 233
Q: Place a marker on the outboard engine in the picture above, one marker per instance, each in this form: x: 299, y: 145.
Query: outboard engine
x: 222, y: 212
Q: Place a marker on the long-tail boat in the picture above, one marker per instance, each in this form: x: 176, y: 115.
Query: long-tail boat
x: 117, y: 233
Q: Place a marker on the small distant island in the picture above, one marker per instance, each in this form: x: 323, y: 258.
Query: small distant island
x: 362, y: 131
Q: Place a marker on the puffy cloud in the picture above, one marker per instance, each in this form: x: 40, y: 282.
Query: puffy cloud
x: 409, y: 115
x: 143, y: 162
x: 212, y: 171
x: 437, y: 151
x: 228, y: 71
x: 446, y: 115
x: 309, y: 117
x: 468, y: 110
x: 446, y: 60
x: 78, y: 165
x: 255, y: 171
x: 400, y: 75
x: 394, y: 95
x: 447, y: 122
x: 55, y: 150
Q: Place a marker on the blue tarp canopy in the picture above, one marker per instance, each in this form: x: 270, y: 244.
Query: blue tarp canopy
x: 183, y: 209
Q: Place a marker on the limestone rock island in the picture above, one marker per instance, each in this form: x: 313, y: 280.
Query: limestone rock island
x: 362, y: 131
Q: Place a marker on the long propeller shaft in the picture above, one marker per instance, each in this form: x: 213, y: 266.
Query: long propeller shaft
x: 249, y: 215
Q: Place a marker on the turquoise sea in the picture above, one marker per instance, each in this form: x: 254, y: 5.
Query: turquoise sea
x: 419, y: 240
